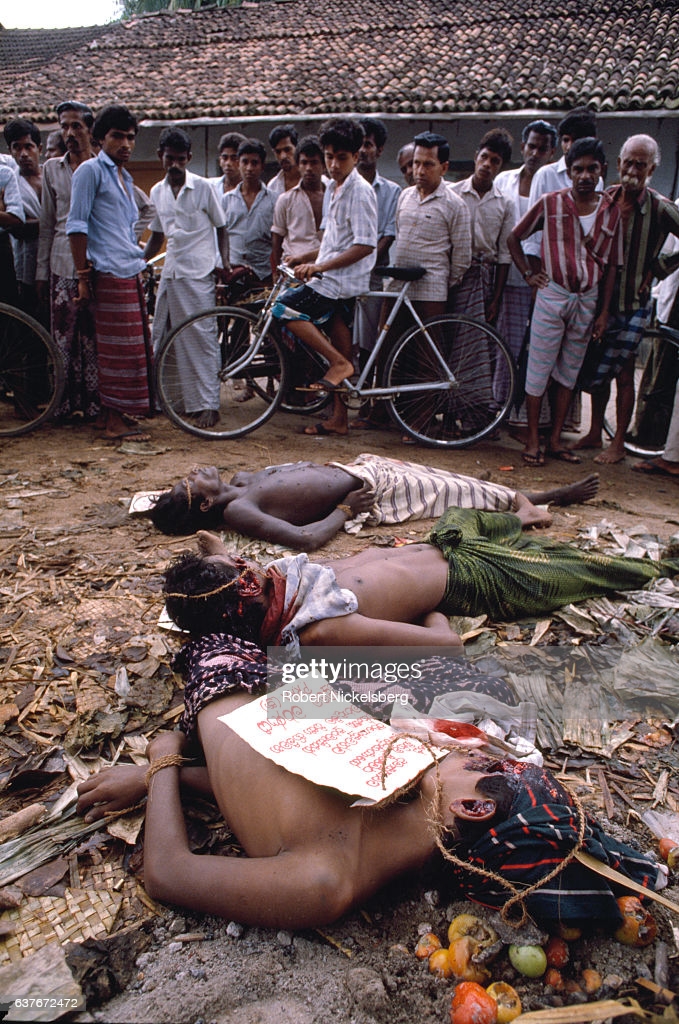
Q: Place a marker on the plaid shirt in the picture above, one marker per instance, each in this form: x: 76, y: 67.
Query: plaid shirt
x: 653, y: 218
x: 572, y: 260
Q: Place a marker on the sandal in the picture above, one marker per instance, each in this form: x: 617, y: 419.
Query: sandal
x: 534, y: 458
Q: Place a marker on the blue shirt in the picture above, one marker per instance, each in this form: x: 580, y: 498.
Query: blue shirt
x: 107, y: 214
x: 250, y: 230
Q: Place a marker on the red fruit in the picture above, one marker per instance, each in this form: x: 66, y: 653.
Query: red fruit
x: 669, y: 851
x: 472, y: 1005
x: 638, y: 927
x: 554, y: 979
x: 460, y: 953
x: 427, y: 945
x: 557, y: 952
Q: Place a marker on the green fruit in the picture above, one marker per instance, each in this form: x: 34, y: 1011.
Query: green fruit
x: 528, y: 960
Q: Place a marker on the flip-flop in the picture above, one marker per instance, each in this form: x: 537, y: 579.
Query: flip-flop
x: 534, y: 458
x: 651, y: 468
x: 563, y: 455
x: 363, y: 423
x: 323, y: 385
x: 320, y: 430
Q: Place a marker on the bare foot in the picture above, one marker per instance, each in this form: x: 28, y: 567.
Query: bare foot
x: 334, y: 375
x: 528, y: 513
x: 588, y: 441
x: 663, y: 466
x: 207, y: 417
x: 210, y: 544
x: 572, y: 494
x: 610, y: 456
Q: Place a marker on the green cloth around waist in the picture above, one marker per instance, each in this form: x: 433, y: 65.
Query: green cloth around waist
x: 497, y: 569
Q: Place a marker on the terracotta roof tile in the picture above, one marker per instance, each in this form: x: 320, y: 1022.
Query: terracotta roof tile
x: 316, y: 56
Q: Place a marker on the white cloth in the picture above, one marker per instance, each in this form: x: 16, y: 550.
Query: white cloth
x: 509, y: 182
x: 197, y: 354
x: 26, y: 249
x: 313, y: 592
x: 188, y: 223
x: 408, y: 490
x: 54, y: 248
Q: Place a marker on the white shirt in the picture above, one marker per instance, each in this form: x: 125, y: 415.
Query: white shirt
x: 509, y: 182
x: 188, y: 223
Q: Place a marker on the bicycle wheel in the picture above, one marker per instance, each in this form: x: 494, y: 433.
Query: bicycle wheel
x: 31, y: 373
x: 196, y: 371
x: 435, y: 410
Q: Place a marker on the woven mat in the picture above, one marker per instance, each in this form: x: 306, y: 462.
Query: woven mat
x: 77, y: 915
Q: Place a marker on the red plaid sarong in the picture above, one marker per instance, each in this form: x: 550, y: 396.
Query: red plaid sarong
x: 123, y: 345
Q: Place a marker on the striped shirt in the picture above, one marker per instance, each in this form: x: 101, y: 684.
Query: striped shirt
x: 653, y: 218
x: 571, y: 259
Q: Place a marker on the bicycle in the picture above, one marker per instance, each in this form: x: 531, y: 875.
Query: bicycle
x: 430, y: 378
x: 32, y: 374
x: 656, y: 394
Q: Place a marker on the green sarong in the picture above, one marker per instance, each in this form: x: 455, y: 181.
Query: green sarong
x: 498, y: 570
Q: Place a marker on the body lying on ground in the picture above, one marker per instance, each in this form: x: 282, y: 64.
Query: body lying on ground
x: 473, y: 563
x: 303, y: 504
x: 311, y: 857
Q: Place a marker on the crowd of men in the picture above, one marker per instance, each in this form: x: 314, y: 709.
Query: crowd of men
x: 560, y: 263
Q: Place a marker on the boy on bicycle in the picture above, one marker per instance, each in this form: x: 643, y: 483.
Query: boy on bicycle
x: 341, y: 270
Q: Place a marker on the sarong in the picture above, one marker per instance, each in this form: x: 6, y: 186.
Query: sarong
x: 619, y: 343
x: 123, y: 345
x: 74, y: 332
x: 497, y: 570
x: 409, y: 490
x: 197, y: 355
x: 470, y: 297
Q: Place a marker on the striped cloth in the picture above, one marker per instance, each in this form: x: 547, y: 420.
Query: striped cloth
x: 123, y: 345
x: 559, y: 335
x: 540, y: 829
x: 470, y: 297
x: 496, y: 570
x: 408, y: 490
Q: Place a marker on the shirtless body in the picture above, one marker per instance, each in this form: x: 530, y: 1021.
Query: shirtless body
x: 300, y: 504
x: 311, y: 857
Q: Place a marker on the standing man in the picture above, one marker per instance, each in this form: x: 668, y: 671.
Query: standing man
x: 581, y: 250
x: 647, y: 219
x: 432, y: 227
x: 405, y: 163
x: 538, y: 140
x: 227, y: 150
x: 108, y: 264
x: 248, y: 209
x: 283, y: 140
x: 187, y: 214
x: 492, y: 218
x: 56, y: 279
x: 296, y: 232
x: 24, y: 143
x: 367, y: 318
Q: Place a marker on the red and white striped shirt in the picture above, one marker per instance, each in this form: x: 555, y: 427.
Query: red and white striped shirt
x: 569, y: 257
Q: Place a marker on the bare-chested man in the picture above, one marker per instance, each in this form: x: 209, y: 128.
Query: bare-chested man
x: 472, y: 563
x: 303, y: 505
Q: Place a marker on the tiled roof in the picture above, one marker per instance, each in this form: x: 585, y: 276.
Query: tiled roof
x: 284, y: 57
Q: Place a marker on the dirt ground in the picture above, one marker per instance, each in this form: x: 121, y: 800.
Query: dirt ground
x: 81, y: 582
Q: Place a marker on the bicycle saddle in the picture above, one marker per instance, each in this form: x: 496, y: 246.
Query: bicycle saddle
x: 400, y: 273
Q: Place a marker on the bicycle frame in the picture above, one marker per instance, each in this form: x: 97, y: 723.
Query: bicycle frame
x: 357, y: 390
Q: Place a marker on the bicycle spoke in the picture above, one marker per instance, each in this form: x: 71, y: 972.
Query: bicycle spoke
x: 31, y: 373
x: 208, y: 364
x: 466, y: 409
